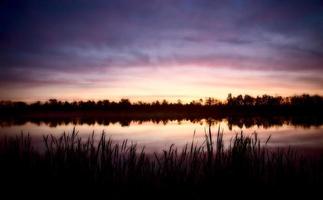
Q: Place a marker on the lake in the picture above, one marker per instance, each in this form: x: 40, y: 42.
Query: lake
x: 159, y: 135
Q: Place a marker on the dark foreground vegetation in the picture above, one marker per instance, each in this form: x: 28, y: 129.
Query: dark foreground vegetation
x: 120, y: 170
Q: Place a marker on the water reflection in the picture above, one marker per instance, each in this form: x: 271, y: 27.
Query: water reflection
x: 240, y: 121
x: 156, y: 134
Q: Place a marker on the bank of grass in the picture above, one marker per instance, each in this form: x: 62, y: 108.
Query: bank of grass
x: 122, y: 169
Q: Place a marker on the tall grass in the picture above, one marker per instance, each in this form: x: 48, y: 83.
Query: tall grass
x: 70, y: 161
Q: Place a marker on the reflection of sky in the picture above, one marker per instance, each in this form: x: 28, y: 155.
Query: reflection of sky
x: 159, y: 136
x: 159, y: 49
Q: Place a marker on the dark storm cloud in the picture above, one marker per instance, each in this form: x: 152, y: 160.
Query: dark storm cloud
x: 42, y: 38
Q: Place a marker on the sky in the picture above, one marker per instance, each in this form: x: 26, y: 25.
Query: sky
x: 159, y: 49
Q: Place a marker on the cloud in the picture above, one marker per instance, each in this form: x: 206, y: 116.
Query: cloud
x: 41, y: 40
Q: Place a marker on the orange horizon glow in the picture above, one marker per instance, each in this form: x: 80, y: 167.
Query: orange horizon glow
x: 155, y: 50
x: 186, y: 83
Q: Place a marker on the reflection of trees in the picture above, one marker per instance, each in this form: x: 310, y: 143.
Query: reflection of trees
x: 232, y: 120
x: 242, y: 110
x: 125, y: 122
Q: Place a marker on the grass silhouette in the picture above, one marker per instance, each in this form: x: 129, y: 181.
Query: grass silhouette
x: 123, y: 169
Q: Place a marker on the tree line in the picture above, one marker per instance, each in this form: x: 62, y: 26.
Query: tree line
x: 304, y: 101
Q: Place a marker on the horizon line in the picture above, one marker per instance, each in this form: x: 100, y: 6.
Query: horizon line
x: 170, y: 99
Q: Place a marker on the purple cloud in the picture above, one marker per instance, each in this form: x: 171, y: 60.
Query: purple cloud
x: 41, y: 40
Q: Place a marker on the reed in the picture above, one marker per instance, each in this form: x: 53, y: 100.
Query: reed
x: 71, y: 161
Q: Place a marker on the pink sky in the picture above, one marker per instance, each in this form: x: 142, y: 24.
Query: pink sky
x: 159, y: 49
x: 172, y: 83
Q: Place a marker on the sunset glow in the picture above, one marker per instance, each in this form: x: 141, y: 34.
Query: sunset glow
x: 159, y: 49
x: 172, y: 83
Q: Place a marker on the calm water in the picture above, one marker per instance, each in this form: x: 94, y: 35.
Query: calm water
x: 157, y: 136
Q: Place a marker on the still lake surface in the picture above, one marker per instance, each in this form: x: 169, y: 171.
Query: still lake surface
x: 156, y: 136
